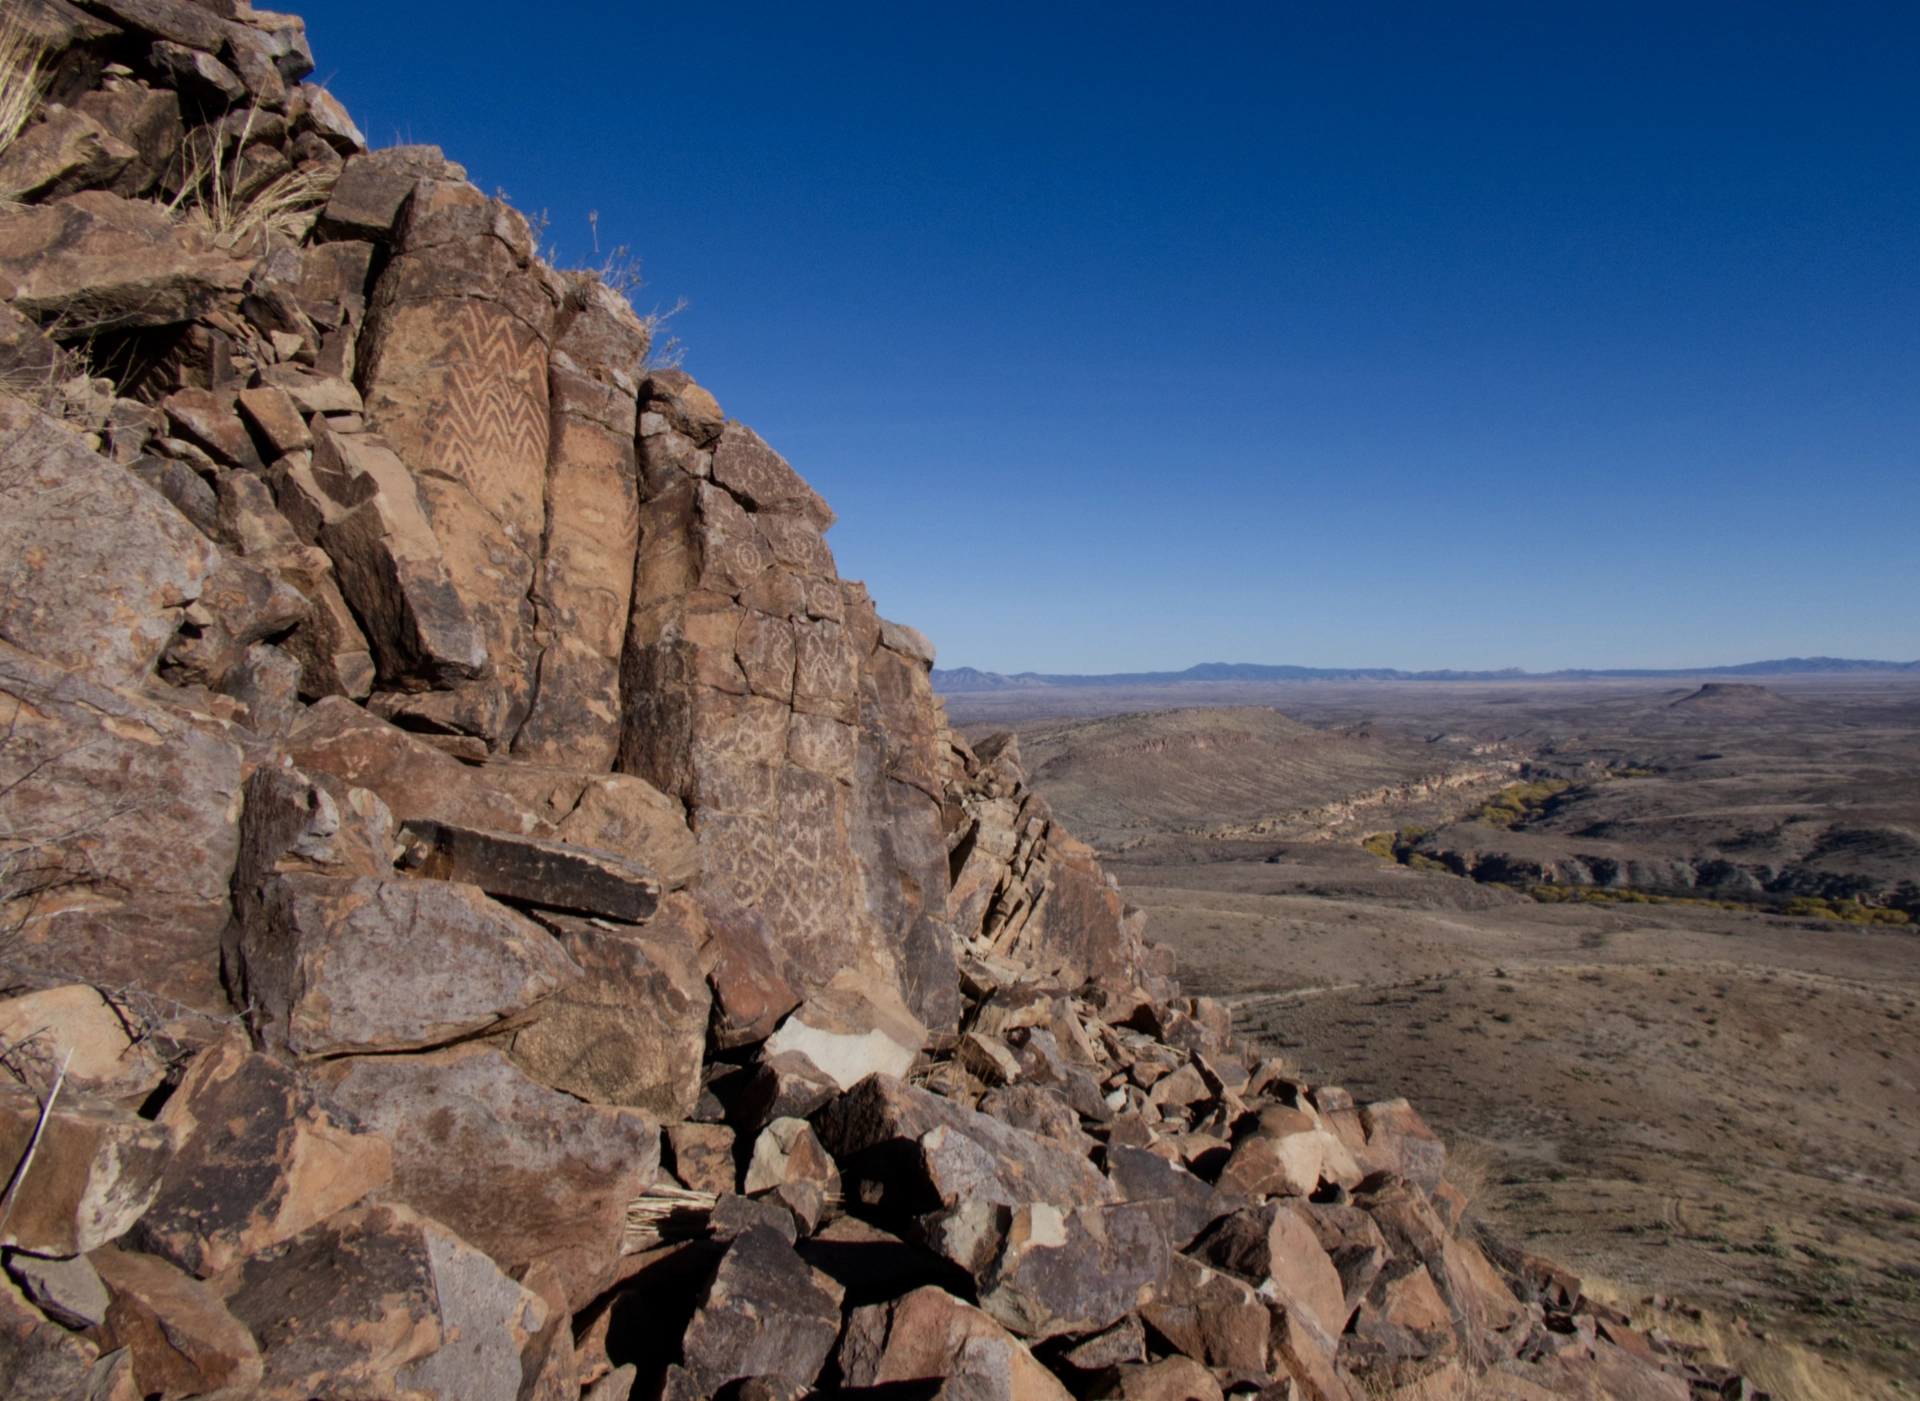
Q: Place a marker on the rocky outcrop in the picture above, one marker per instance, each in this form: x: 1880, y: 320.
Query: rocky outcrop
x: 486, y: 911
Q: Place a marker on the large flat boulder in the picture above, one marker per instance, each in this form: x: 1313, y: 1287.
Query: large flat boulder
x: 97, y: 566
x: 523, y: 1172
x: 382, y: 1301
x: 556, y: 875
x: 1075, y: 1270
x: 764, y: 1313
x: 631, y: 1029
x: 929, y: 1333
x: 261, y: 1156
x: 135, y: 808
x: 96, y: 262
x: 335, y: 967
x: 95, y: 1169
x: 903, y: 1141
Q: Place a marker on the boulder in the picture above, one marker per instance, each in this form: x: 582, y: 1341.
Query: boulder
x: 416, y: 780
x: 585, y: 581
x: 74, y: 1028
x: 523, y: 1172
x: 749, y: 976
x: 854, y: 1027
x: 182, y: 1340
x: 136, y: 807
x: 1277, y: 1247
x: 631, y: 818
x: 381, y: 1301
x: 877, y: 1133
x: 40, y: 1360
x: 1193, y: 1205
x: 1174, y: 1379
x: 556, y: 875
x: 631, y: 1029
x: 929, y: 1333
x: 388, y: 563
x: 703, y: 1157
x: 1403, y: 1329
x: 67, y: 1290
x: 95, y: 262
x: 366, y: 199
x: 95, y: 1169
x: 261, y: 1156
x: 1282, y: 1158
x: 1213, y: 1318
x: 1308, y: 1355
x: 335, y: 966
x: 208, y: 420
x: 785, y: 1085
x: 97, y: 566
x: 1399, y: 1141
x: 1075, y: 1270
x: 764, y: 1313
x: 66, y: 151
x: 788, y: 1151
x: 1353, y: 1244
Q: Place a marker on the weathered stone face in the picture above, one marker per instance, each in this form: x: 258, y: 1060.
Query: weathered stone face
x: 381, y: 1301
x: 521, y: 1171
x: 337, y: 967
x: 630, y: 1030
x: 95, y: 1169
x: 94, y: 261
x: 261, y: 1156
x: 182, y: 1339
x: 759, y: 690
x: 97, y: 566
x: 138, y: 897
x: 455, y: 369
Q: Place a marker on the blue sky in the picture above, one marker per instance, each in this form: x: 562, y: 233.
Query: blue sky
x: 1127, y: 337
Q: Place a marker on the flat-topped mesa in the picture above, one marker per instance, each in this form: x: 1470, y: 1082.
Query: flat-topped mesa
x: 473, y: 874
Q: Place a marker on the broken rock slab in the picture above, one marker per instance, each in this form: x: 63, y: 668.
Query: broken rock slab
x: 95, y: 1169
x: 929, y: 1333
x: 854, y: 1027
x: 523, y: 1172
x: 182, y: 1339
x: 138, y: 896
x: 878, y: 1134
x: 630, y: 1028
x: 336, y: 967
x: 553, y: 874
x: 97, y: 566
x: 381, y: 1301
x: 96, y: 262
x: 765, y: 1313
x: 68, y: 1291
x: 40, y: 1360
x: 261, y: 1156
x: 1076, y: 1270
x: 73, y: 1028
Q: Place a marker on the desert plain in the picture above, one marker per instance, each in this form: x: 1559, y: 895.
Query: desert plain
x: 1645, y: 952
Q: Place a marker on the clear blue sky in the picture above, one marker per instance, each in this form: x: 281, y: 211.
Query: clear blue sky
x: 1128, y: 337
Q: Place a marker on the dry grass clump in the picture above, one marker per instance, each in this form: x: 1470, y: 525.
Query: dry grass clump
x: 215, y: 190
x: 21, y: 81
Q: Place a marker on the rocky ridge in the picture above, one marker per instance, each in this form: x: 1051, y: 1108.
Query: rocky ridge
x: 488, y: 911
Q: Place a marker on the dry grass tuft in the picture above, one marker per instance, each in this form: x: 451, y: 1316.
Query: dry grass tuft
x: 1470, y: 1167
x: 21, y: 82
x: 214, y: 191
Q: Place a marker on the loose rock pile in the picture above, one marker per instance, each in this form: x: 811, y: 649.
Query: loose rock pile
x: 489, y: 913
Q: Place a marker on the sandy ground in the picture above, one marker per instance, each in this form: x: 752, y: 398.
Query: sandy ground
x: 1719, y: 1107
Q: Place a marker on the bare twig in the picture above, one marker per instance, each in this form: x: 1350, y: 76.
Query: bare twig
x: 33, y: 1144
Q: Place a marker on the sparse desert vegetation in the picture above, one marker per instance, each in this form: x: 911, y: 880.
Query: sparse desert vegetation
x: 1703, y: 1093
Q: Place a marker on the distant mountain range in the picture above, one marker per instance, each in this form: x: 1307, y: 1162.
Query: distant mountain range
x: 963, y: 679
